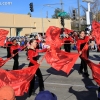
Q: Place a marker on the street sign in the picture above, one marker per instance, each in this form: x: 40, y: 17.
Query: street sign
x: 89, y: 1
x: 62, y: 14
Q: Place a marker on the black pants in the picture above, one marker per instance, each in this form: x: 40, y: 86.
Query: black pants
x: 83, y: 66
x: 67, y: 47
x: 8, y: 52
x: 83, y: 63
x: 40, y: 78
x: 99, y: 93
x: 16, y: 63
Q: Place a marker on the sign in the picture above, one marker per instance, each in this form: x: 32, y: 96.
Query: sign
x: 62, y: 14
x: 89, y: 1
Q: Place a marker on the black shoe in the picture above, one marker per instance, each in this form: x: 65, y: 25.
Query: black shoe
x: 33, y: 93
x: 80, y: 72
x: 42, y: 89
x: 86, y: 74
x: 30, y: 92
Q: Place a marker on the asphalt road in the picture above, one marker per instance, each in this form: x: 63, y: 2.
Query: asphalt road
x: 71, y: 87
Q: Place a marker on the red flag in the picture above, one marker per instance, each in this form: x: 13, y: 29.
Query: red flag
x: 18, y: 79
x: 68, y: 66
x: 95, y: 68
x: 2, y: 61
x: 67, y: 31
x: 53, y: 36
x: 84, y: 51
x: 58, y: 59
x: 96, y: 31
x: 64, y: 62
x: 3, y: 35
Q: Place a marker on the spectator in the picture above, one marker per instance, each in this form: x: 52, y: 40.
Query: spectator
x: 22, y: 43
x: 44, y: 46
x: 7, y: 93
x: 46, y: 95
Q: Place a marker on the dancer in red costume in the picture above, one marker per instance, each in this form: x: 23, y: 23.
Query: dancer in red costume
x: 83, y: 39
x: 14, y: 52
x: 33, y: 57
x: 8, y: 45
x: 38, y: 41
x: 68, y: 40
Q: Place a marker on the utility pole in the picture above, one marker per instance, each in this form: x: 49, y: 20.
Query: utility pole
x: 47, y: 15
x: 61, y: 5
x: 79, y: 14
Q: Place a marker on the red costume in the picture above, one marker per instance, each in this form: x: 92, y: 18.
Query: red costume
x: 14, y: 50
x: 38, y: 42
x: 68, y: 40
x: 8, y: 45
x: 33, y: 57
x: 80, y: 45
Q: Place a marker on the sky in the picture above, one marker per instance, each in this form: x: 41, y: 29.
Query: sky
x: 22, y: 6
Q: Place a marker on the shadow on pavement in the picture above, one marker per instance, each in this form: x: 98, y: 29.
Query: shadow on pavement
x: 61, y: 73
x: 22, y: 65
x: 4, y: 57
x: 55, y: 72
x: 86, y: 95
x: 95, y: 57
x: 76, y: 67
x: 24, y: 97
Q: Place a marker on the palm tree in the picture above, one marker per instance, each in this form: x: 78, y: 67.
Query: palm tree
x: 29, y: 14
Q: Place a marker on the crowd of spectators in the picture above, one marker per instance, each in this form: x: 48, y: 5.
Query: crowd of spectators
x: 42, y: 44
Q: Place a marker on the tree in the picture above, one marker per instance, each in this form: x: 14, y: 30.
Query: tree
x: 95, y: 8
x: 29, y: 14
x: 58, y: 10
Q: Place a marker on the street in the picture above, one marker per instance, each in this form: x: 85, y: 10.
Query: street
x: 71, y: 87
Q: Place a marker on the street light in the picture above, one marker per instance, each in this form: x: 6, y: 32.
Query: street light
x: 78, y: 1
x: 42, y: 16
x: 88, y: 12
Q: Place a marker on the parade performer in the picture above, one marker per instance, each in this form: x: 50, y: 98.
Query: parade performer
x: 83, y: 39
x: 8, y: 45
x: 38, y: 41
x: 33, y: 57
x: 68, y: 40
x: 14, y: 50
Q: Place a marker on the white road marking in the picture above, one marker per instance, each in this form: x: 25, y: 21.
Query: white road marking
x: 69, y: 85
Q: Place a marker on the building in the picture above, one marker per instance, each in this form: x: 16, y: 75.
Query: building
x: 21, y: 25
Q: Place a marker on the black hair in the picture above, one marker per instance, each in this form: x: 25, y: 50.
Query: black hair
x: 81, y: 31
x: 13, y: 39
x: 35, y: 36
x: 31, y: 41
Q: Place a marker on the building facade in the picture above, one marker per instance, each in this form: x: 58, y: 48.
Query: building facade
x: 21, y: 25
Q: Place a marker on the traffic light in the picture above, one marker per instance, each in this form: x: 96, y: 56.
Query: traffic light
x: 74, y: 14
x: 62, y: 21
x: 31, y: 7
